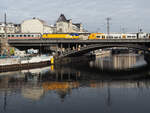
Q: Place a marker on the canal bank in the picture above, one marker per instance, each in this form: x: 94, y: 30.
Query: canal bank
x: 21, y: 63
x: 18, y: 63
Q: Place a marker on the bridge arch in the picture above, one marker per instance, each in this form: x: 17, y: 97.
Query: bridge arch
x: 92, y: 47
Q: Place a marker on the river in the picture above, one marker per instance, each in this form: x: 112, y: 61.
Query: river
x: 109, y: 84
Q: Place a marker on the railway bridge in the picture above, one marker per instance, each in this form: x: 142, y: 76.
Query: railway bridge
x: 65, y: 46
x: 69, y: 43
x: 85, y: 45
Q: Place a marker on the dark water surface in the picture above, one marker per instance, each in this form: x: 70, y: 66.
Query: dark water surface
x: 110, y: 84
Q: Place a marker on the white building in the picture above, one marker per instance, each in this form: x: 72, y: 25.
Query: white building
x: 66, y: 26
x: 35, y: 25
x: 9, y: 28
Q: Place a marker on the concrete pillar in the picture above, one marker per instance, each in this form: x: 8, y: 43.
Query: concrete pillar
x: 76, y: 46
x: 61, y: 46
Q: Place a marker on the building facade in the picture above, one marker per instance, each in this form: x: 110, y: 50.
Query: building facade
x: 9, y: 28
x: 66, y: 26
x: 35, y: 25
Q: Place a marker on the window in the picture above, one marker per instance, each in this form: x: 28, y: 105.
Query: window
x: 24, y: 35
x: 28, y: 35
x: 12, y: 35
x: 60, y: 30
x: 8, y: 35
x: 98, y: 37
x: 103, y: 37
x: 20, y: 35
x: 133, y: 36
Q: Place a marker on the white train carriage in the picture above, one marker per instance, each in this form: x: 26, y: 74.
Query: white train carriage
x: 24, y: 36
x: 131, y: 36
x: 21, y: 35
x: 143, y: 36
x: 113, y: 36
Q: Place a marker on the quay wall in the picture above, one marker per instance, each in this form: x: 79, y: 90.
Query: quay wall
x: 14, y: 64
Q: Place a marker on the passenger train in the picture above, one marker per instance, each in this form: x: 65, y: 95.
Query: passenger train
x: 92, y: 36
x: 119, y: 36
x: 21, y: 35
x: 39, y: 36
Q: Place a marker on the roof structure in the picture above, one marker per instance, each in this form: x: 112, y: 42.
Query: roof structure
x: 62, y: 18
x: 77, y: 24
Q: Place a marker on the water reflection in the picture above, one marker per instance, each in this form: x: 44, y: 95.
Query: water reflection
x: 72, y: 88
x: 120, y: 61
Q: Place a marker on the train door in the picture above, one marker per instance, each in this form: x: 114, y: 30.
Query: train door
x: 124, y: 36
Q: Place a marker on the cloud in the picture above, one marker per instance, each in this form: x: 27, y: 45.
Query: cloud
x: 92, y: 13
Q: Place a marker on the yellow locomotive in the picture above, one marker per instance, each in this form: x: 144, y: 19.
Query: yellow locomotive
x: 60, y: 36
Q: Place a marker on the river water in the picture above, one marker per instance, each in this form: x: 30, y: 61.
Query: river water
x: 109, y: 84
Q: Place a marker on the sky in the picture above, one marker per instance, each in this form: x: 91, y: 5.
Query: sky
x: 126, y: 15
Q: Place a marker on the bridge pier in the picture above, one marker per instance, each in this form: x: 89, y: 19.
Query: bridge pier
x: 61, y: 46
x: 147, y: 57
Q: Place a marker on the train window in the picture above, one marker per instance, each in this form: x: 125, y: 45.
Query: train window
x: 103, y: 37
x: 24, y: 35
x: 98, y: 36
x: 0, y: 35
x: 8, y: 35
x: 17, y: 36
x: 111, y: 37
x: 32, y: 35
x: 12, y: 35
x: 20, y: 35
x: 133, y: 36
x: 28, y: 35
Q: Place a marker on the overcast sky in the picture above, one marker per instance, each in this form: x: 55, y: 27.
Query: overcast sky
x: 127, y: 14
